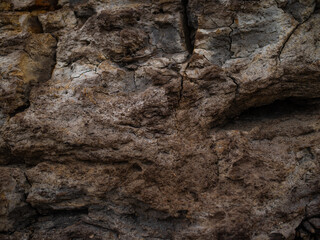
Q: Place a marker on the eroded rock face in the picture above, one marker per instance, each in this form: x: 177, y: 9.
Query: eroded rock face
x: 159, y: 119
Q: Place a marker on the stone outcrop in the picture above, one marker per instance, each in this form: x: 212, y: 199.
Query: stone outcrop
x: 168, y: 119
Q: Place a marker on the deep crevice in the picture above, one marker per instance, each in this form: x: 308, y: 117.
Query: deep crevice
x: 180, y: 91
x: 20, y: 109
x: 64, y: 212
x: 237, y: 86
x: 230, y: 36
x: 188, y: 28
x: 279, y: 109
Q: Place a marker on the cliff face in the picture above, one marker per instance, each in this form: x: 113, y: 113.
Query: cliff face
x: 159, y: 119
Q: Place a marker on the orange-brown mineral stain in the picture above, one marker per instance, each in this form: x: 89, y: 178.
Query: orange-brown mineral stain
x: 48, y: 4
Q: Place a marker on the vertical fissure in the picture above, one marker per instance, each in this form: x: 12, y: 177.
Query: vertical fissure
x: 180, y: 91
x: 291, y: 34
x: 230, y: 36
x: 188, y: 28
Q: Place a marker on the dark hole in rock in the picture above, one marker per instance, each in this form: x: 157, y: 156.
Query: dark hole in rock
x: 280, y: 109
x: 84, y: 13
x: 183, y: 212
x: 136, y: 167
x: 309, y: 228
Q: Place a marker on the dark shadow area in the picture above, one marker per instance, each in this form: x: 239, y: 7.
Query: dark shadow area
x: 309, y: 228
x: 286, y: 109
x: 20, y: 109
x: 189, y: 27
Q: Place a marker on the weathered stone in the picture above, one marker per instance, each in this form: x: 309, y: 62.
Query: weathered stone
x: 159, y: 119
x: 15, y: 212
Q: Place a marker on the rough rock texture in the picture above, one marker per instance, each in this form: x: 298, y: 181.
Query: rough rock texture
x: 159, y: 119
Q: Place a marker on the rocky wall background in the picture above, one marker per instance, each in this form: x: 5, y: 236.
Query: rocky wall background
x: 159, y: 119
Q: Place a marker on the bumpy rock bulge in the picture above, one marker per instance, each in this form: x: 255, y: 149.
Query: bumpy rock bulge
x: 159, y: 119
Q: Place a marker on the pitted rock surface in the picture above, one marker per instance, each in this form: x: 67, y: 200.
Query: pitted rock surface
x: 167, y: 119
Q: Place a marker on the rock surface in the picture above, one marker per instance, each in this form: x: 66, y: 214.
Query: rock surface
x: 168, y: 119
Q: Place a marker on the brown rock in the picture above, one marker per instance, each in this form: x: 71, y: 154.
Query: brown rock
x: 15, y: 213
x: 159, y: 119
